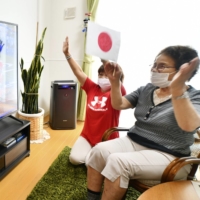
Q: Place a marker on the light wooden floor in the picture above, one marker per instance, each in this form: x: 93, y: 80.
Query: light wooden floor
x: 22, y: 179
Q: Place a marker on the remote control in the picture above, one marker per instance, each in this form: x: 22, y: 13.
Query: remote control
x: 8, y: 141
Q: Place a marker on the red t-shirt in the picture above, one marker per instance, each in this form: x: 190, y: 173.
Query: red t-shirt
x: 100, y: 115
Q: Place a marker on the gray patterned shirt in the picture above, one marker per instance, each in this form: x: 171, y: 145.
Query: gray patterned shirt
x: 156, y: 125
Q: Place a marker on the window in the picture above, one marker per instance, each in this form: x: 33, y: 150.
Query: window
x: 147, y: 27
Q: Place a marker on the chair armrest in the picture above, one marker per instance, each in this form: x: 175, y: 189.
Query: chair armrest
x: 109, y: 131
x: 172, y: 169
x: 170, y: 166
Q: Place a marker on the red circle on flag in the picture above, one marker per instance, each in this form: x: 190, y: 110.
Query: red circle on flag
x: 104, y: 42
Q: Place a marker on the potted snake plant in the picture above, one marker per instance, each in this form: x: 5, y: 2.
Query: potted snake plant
x: 31, y: 82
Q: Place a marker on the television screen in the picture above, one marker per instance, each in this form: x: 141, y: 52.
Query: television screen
x: 8, y: 69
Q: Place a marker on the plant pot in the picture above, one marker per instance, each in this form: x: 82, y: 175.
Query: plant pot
x: 36, y: 126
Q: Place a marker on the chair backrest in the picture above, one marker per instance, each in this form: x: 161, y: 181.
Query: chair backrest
x: 195, y: 151
x: 197, y: 136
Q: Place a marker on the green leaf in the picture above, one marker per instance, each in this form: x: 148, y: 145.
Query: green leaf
x: 31, y: 79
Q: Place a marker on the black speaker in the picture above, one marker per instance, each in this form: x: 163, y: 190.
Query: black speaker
x: 63, y: 104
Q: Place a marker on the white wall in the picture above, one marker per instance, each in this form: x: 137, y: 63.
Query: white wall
x: 56, y: 66
x: 23, y: 13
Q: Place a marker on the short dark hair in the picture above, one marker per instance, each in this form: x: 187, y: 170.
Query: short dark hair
x: 180, y: 55
x: 101, y: 70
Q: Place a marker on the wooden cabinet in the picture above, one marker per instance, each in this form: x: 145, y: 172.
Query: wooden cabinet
x: 11, y: 155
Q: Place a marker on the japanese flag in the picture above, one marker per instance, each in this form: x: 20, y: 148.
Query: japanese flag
x: 102, y: 42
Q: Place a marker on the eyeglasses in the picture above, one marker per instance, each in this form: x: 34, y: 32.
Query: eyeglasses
x: 159, y: 67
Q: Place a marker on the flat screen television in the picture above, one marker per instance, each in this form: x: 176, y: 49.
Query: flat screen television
x: 8, y: 69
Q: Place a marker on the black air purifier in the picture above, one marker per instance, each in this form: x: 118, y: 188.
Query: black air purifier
x: 63, y: 104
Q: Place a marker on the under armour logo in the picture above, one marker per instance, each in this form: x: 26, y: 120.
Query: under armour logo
x: 97, y: 101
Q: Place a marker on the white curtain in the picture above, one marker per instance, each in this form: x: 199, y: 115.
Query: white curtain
x: 146, y: 27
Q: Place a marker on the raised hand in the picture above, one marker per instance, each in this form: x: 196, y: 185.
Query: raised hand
x: 113, y: 71
x: 185, y: 72
x: 66, y: 47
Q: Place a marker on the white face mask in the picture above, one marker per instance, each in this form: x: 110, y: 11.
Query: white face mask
x: 160, y: 79
x: 104, y: 83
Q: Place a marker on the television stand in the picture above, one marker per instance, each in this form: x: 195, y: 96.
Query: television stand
x: 16, y: 119
x: 14, y: 153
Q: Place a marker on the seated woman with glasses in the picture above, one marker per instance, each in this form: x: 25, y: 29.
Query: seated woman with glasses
x: 167, y: 113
